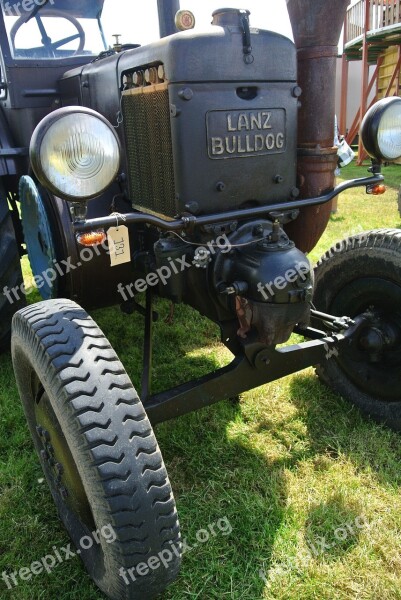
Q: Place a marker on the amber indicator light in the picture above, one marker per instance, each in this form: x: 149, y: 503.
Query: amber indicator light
x: 91, y: 238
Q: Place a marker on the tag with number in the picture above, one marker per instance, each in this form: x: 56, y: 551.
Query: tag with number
x: 118, y: 239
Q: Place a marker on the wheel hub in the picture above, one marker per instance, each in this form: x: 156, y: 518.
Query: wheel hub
x: 378, y: 336
x: 59, y: 463
x: 372, y: 359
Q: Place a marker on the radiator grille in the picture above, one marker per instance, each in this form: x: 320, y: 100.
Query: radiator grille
x: 146, y: 113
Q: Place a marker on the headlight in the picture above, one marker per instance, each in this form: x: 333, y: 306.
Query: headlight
x: 75, y: 153
x: 381, y: 129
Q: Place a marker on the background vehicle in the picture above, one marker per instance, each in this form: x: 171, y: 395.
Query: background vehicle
x: 218, y: 202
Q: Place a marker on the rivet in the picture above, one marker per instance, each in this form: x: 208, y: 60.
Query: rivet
x: 186, y: 94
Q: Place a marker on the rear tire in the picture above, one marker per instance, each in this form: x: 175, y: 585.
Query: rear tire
x: 97, y: 448
x: 10, y: 273
x: 361, y: 277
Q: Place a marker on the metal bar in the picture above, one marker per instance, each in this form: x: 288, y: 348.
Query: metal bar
x: 323, y: 316
x: 146, y: 387
x: 167, y: 10
x: 7, y: 152
x: 310, y: 333
x: 44, y: 93
x: 257, y: 366
x: 185, y: 222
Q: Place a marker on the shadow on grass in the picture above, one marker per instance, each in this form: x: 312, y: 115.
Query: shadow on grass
x: 214, y: 476
x: 217, y: 472
x: 336, y: 428
x: 336, y: 218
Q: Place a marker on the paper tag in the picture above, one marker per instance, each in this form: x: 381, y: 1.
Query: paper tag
x: 119, y: 247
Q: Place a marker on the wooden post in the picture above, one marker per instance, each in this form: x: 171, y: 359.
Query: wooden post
x: 342, y: 123
x: 365, y: 76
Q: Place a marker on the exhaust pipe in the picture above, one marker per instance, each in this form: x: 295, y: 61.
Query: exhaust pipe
x: 167, y: 10
x: 316, y: 26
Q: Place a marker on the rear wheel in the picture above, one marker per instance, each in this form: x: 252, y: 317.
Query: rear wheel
x: 361, y: 278
x: 11, y: 296
x: 98, y: 450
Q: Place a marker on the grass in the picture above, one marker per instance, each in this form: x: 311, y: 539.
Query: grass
x: 288, y: 466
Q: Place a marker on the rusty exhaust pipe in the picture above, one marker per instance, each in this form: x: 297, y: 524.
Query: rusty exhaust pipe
x: 316, y: 26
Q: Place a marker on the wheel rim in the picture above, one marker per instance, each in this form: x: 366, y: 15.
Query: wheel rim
x: 38, y: 237
x: 59, y: 464
x: 372, y: 361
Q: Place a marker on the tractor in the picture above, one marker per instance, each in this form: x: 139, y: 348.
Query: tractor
x: 200, y: 169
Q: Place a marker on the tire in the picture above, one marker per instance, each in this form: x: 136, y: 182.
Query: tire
x: 10, y: 273
x: 361, y: 278
x: 97, y: 448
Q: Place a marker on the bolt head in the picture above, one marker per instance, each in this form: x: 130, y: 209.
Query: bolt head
x: 59, y: 468
x: 186, y: 94
x: 63, y: 493
x: 258, y: 230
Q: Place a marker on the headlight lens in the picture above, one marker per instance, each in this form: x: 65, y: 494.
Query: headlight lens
x: 381, y: 129
x: 75, y: 153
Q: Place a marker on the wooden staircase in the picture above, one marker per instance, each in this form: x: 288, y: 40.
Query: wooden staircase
x: 372, y: 34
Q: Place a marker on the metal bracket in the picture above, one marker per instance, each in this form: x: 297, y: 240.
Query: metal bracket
x: 255, y: 366
x: 334, y: 323
x: 248, y: 57
x: 146, y: 386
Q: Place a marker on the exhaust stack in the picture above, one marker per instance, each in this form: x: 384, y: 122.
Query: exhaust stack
x: 316, y: 27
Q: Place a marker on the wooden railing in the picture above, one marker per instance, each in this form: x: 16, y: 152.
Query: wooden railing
x: 382, y: 13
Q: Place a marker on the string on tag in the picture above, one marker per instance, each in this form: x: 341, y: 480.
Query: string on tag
x: 118, y: 215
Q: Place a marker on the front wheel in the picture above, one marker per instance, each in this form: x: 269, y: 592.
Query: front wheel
x: 97, y: 449
x: 361, y: 278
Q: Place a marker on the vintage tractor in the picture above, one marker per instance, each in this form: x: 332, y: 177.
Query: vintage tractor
x: 199, y: 168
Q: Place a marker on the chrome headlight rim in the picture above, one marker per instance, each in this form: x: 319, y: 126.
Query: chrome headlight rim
x: 39, y: 137
x: 370, y: 128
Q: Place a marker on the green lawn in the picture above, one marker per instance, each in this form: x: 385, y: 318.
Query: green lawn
x: 292, y: 467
